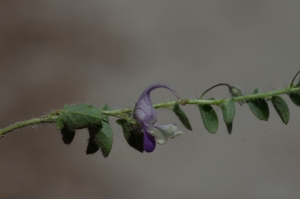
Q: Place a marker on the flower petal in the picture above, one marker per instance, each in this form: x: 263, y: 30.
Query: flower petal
x: 144, y: 111
x: 149, y: 142
x: 162, y: 133
x: 176, y: 134
x: 159, y: 137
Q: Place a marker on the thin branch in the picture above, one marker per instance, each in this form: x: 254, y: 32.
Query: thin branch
x: 51, y: 118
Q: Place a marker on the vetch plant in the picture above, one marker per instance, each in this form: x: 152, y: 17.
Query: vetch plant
x: 139, y: 123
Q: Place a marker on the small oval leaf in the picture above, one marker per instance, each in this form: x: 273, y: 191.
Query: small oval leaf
x: 228, y: 110
x: 295, y: 97
x: 133, y: 135
x: 182, y: 116
x: 100, y: 137
x: 209, y: 117
x: 259, y: 107
x: 281, y: 108
x: 106, y: 138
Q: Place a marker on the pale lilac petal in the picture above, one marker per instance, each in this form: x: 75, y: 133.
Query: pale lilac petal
x: 159, y: 137
x: 144, y: 111
x: 162, y: 133
x: 176, y: 134
x: 166, y: 129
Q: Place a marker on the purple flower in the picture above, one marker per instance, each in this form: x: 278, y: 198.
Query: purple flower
x: 146, y: 116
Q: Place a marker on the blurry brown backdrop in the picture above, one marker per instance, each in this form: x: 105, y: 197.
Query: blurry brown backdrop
x: 62, y: 52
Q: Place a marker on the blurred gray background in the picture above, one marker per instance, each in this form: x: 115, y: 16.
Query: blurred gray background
x: 64, y: 52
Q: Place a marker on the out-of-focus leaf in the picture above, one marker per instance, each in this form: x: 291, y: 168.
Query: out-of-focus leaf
x: 255, y: 91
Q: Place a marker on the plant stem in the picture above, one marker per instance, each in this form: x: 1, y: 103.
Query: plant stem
x: 294, y: 79
x: 221, y: 84
x: 51, y: 118
x: 210, y: 102
x: 17, y: 125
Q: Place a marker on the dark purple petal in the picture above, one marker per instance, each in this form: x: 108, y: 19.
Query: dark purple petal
x: 144, y: 112
x: 149, y: 142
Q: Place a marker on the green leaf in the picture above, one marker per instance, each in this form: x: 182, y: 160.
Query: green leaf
x: 209, y: 117
x: 78, y: 116
x: 105, y: 138
x: 281, y: 108
x: 229, y: 127
x: 100, y: 137
x: 182, y: 116
x: 133, y: 135
x: 228, y: 110
x: 255, y: 91
x: 67, y: 135
x: 259, y: 107
x: 295, y: 97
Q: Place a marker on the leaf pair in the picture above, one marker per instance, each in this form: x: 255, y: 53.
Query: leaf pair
x: 86, y: 116
x: 260, y: 108
x: 210, y: 117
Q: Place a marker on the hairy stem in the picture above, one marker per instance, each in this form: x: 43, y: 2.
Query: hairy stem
x: 210, y: 102
x: 17, y: 125
x: 51, y: 118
